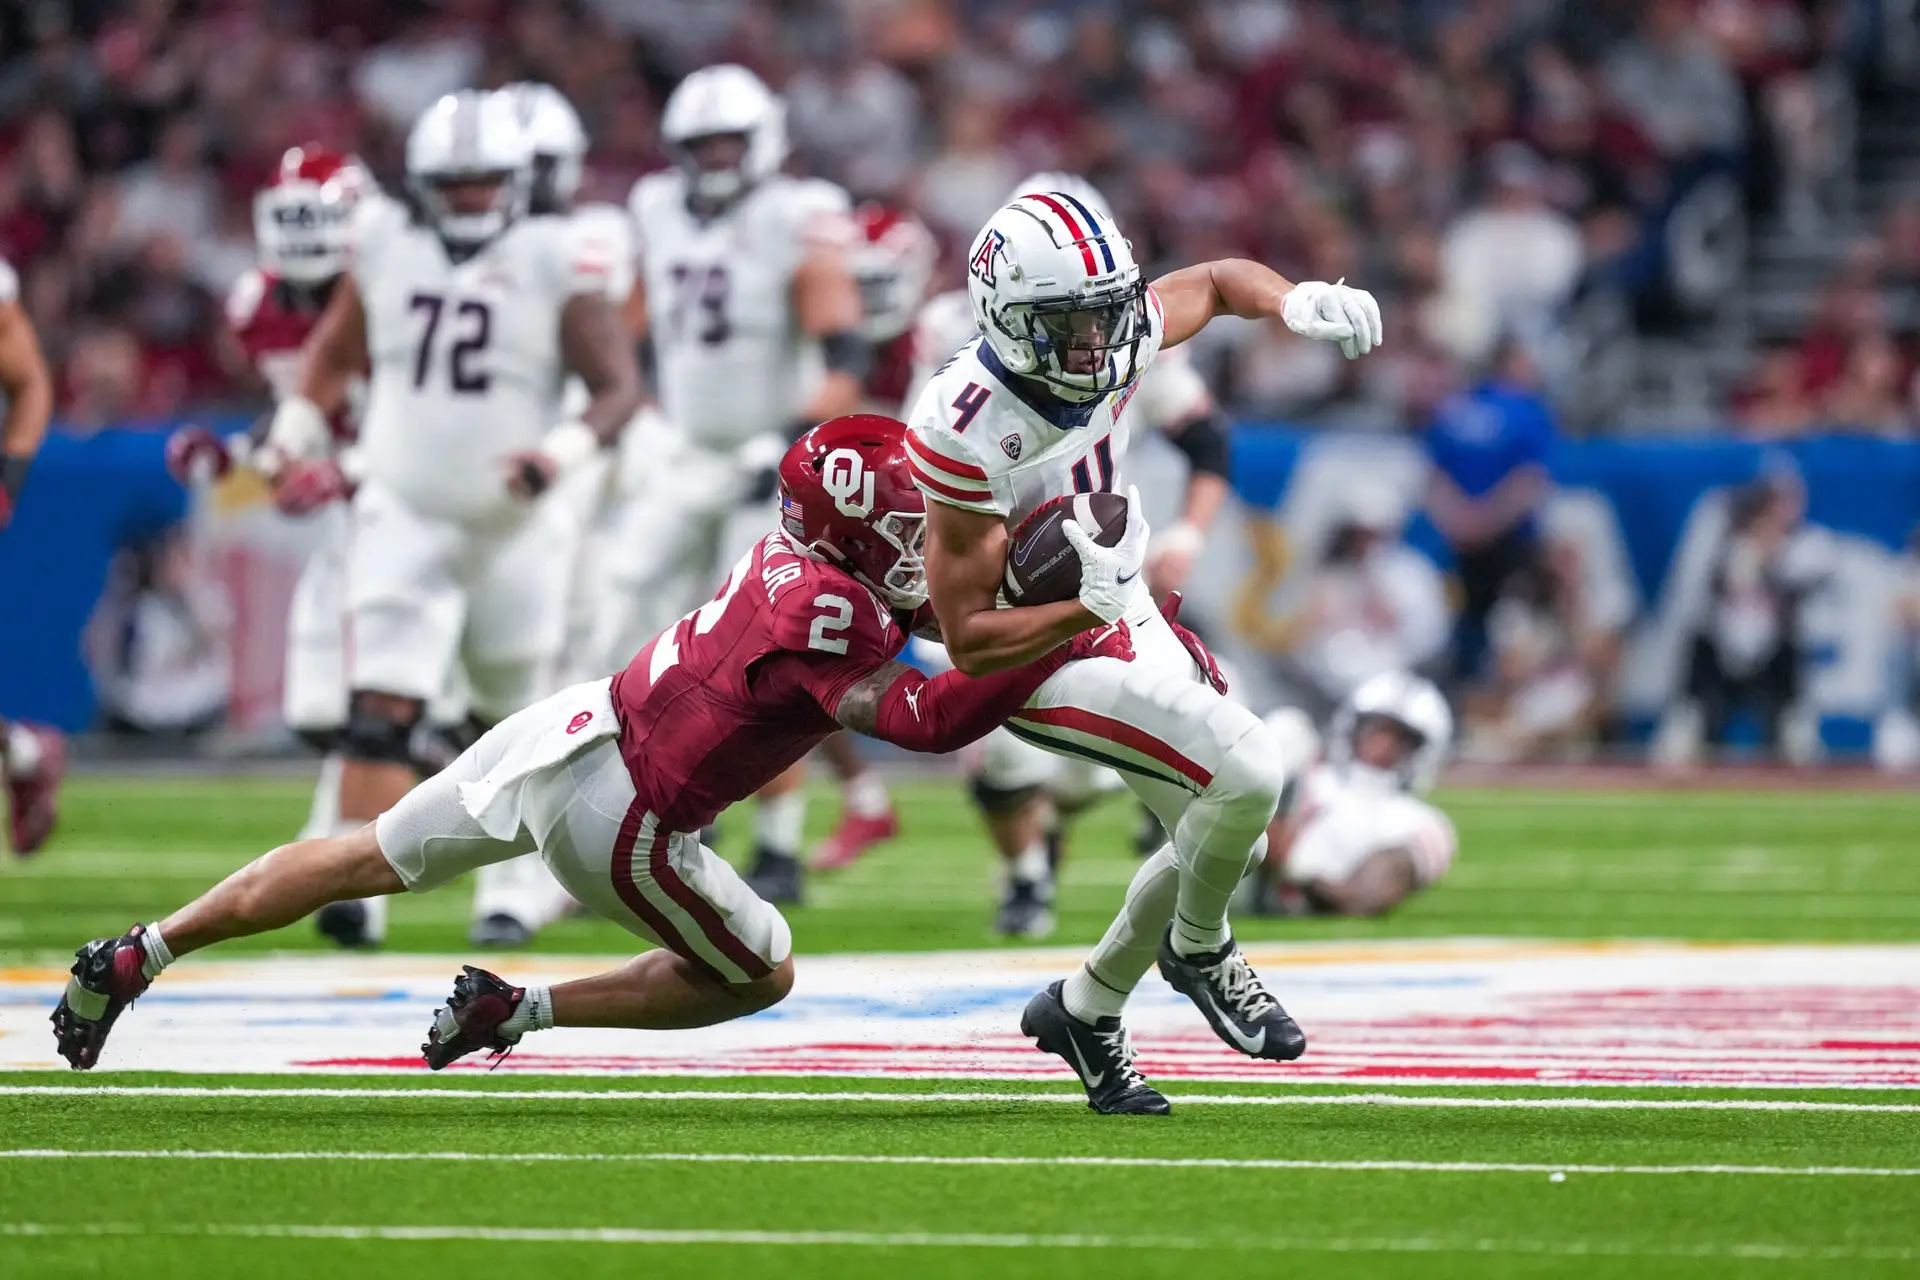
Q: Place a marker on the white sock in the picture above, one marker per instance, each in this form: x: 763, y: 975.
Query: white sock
x: 1101, y: 986
x: 534, y: 1014
x: 23, y: 751
x: 1030, y: 864
x: 323, y: 815
x: 158, y: 957
x: 866, y: 795
x: 778, y: 822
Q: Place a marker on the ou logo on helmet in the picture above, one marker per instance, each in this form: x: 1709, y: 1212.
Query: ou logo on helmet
x: 848, y: 482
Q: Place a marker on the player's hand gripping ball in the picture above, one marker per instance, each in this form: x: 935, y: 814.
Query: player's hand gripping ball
x: 1042, y: 566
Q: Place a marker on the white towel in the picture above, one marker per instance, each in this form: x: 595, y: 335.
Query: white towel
x: 546, y: 734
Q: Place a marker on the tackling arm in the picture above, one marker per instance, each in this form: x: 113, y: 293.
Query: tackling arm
x: 29, y: 388
x: 899, y: 705
x: 966, y: 557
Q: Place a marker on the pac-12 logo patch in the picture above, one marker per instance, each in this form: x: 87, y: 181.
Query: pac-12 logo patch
x: 1011, y: 446
x: 992, y: 245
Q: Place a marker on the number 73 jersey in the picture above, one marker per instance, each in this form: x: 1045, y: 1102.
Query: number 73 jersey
x: 723, y: 701
x: 465, y: 355
x: 732, y: 360
x: 987, y: 440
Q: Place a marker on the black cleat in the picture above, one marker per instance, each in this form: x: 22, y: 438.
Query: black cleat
x: 499, y: 931
x: 1226, y: 990
x: 108, y: 975
x: 776, y: 877
x: 1026, y: 911
x: 345, y: 924
x: 1099, y: 1053
x: 471, y: 1020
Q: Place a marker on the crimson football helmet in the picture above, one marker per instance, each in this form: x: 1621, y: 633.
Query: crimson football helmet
x: 303, y: 218
x: 846, y: 498
x: 892, y: 261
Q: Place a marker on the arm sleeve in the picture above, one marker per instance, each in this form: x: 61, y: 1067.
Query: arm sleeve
x: 950, y: 710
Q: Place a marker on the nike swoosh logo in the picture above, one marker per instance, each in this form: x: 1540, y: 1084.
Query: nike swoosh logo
x: 1026, y: 548
x: 1249, y: 1045
x: 1087, y: 1077
x: 1125, y: 579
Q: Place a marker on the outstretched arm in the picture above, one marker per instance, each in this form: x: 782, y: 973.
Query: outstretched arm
x: 1192, y: 296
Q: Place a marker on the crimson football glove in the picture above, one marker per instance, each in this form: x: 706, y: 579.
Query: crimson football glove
x: 195, y: 453
x: 1115, y: 640
x: 1209, y: 665
x: 304, y: 487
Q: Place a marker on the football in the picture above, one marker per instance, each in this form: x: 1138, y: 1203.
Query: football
x: 1042, y: 566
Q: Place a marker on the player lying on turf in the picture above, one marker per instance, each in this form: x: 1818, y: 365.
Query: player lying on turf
x: 610, y: 780
x: 1359, y: 839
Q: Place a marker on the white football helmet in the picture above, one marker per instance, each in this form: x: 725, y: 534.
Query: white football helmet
x: 725, y: 99
x: 1410, y: 702
x: 1058, y: 296
x: 558, y: 140
x: 1066, y: 184
x: 470, y: 138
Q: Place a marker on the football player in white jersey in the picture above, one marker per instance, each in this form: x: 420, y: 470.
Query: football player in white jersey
x: 514, y: 900
x: 1359, y: 837
x: 1023, y: 791
x: 1030, y: 412
x: 469, y: 314
x: 32, y: 757
x: 754, y: 319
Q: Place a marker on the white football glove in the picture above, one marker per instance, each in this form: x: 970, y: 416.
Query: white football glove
x: 1109, y: 576
x: 1334, y: 313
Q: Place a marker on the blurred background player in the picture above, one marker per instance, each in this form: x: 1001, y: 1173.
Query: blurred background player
x: 514, y: 900
x: 302, y: 226
x: 1022, y: 791
x: 892, y: 262
x: 755, y: 322
x: 34, y: 756
x: 470, y: 313
x: 1358, y: 838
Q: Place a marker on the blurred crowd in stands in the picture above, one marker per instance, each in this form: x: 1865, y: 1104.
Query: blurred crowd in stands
x: 1486, y: 167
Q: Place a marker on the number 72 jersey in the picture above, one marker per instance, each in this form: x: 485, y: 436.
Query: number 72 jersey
x: 987, y: 440
x: 732, y: 360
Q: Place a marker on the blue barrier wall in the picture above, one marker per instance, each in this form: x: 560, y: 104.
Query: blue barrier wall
x: 90, y: 496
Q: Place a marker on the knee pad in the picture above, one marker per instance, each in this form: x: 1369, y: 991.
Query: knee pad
x: 1253, y: 774
x: 376, y: 736
x: 435, y: 746
x: 997, y: 800
x: 322, y: 741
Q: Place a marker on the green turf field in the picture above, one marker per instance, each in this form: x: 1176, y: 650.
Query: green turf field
x: 959, y: 1178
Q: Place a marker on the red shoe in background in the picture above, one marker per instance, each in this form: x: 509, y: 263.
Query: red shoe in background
x: 34, y: 798
x: 855, y: 835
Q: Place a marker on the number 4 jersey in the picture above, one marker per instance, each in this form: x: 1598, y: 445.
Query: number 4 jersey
x: 466, y: 358
x: 723, y: 701
x: 732, y: 360
x: 984, y: 439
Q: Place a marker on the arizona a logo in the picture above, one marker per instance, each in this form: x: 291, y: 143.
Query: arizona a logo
x: 992, y: 245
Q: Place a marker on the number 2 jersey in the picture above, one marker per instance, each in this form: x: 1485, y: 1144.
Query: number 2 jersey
x: 732, y: 361
x: 986, y: 440
x: 465, y: 354
x: 723, y: 701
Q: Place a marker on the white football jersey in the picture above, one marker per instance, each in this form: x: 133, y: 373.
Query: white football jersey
x: 731, y: 360
x: 984, y: 439
x: 467, y: 366
x: 1344, y: 818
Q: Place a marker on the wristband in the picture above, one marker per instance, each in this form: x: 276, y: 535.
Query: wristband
x: 13, y: 475
x: 569, y: 446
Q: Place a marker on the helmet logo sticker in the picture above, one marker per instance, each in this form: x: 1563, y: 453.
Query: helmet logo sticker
x: 992, y: 245
x: 842, y: 477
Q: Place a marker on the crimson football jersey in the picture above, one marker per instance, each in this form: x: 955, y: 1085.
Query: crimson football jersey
x: 271, y: 319
x: 722, y: 702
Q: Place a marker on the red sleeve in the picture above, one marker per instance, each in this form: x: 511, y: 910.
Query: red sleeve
x: 951, y: 710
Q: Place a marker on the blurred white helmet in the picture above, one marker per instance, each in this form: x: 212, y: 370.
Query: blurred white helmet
x: 1411, y: 703
x: 721, y: 100
x: 558, y: 140
x: 1067, y: 184
x: 470, y: 139
x: 1058, y: 296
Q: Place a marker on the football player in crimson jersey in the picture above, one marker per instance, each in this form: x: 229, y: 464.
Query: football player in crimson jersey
x: 612, y: 780
x: 302, y: 221
x: 32, y: 757
x: 892, y: 261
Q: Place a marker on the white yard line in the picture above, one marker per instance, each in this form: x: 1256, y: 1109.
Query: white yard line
x: 1041, y: 1162
x: 1243, y: 1242
x: 748, y: 1095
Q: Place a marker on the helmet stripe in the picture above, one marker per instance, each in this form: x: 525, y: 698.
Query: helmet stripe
x: 1093, y: 224
x: 1073, y: 229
